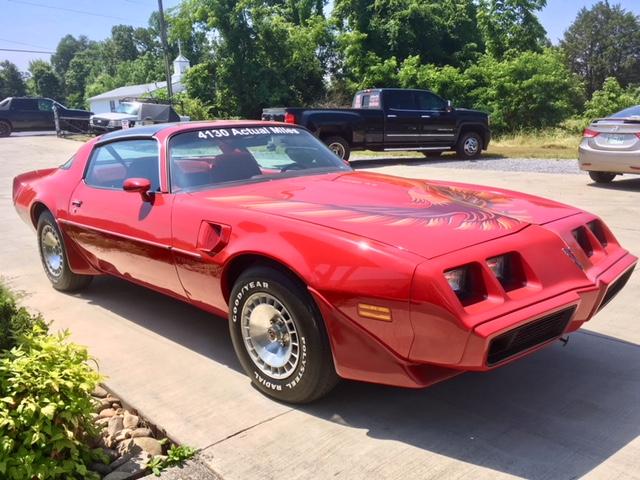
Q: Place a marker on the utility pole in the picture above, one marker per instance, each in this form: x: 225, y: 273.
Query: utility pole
x: 165, y: 49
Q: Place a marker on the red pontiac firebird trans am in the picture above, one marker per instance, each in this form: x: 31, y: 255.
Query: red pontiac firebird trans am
x: 324, y: 272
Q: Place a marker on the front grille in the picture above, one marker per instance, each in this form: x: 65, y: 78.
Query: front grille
x: 615, y: 288
x: 528, y: 336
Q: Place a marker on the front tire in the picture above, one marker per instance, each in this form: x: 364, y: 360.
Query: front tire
x: 602, y: 177
x: 279, y: 336
x: 54, y: 257
x: 469, y: 146
x: 5, y: 129
x: 339, y: 146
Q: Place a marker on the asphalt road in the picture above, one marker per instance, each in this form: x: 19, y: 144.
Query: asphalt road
x: 563, y: 413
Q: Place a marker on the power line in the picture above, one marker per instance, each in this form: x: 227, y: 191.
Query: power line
x: 81, y: 12
x: 21, y: 43
x: 24, y: 51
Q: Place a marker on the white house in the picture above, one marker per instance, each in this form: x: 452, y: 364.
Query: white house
x: 108, y: 101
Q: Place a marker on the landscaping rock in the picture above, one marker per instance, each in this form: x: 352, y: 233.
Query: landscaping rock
x: 107, y: 412
x: 130, y: 421
x: 117, y: 476
x: 136, y: 465
x: 149, y: 445
x: 114, y: 426
x: 103, y: 422
x: 111, y: 454
x: 100, y: 468
x: 128, y: 447
x: 100, y: 392
x: 123, y: 434
x: 141, y: 432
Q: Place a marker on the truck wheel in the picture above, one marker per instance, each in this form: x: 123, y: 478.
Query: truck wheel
x: 54, y: 257
x: 279, y: 336
x: 469, y: 145
x: 339, y: 146
x: 5, y: 129
x: 602, y: 177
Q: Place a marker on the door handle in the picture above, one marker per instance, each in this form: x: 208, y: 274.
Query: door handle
x: 391, y: 116
x: 76, y: 203
x: 425, y: 116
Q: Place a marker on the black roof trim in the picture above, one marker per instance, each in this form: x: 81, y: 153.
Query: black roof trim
x: 147, y: 131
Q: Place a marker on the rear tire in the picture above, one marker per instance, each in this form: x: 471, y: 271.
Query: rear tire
x: 54, y: 257
x: 5, y: 129
x: 602, y: 177
x: 279, y: 336
x: 469, y: 146
x: 339, y: 146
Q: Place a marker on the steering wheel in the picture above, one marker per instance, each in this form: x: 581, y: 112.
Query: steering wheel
x: 292, y: 166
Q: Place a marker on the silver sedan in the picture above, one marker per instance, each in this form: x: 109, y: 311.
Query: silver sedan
x: 611, y: 146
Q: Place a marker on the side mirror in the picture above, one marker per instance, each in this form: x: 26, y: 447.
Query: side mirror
x: 449, y: 107
x: 138, y: 185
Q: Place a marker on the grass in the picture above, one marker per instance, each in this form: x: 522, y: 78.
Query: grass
x: 547, y: 144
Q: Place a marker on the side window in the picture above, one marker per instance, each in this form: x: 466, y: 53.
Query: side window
x: 45, y: 105
x: 112, y: 105
x: 429, y: 101
x: 110, y: 165
x: 24, y: 104
x: 399, y: 99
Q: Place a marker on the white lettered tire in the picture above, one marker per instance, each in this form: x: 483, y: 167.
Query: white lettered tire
x: 279, y: 336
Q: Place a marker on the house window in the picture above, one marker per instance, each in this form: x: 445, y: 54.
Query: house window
x: 112, y: 105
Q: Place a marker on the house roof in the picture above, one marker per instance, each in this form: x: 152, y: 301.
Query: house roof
x: 132, y: 90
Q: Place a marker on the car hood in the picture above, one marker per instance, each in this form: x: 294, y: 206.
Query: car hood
x: 427, y: 218
x: 115, y: 116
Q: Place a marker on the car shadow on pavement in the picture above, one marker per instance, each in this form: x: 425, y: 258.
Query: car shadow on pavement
x: 557, y: 414
x: 366, y: 163
x: 629, y: 184
x: 199, y: 331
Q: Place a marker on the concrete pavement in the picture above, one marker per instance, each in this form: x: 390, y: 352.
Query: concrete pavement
x: 565, y: 412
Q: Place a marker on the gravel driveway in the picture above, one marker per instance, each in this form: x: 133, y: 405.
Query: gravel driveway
x: 497, y: 164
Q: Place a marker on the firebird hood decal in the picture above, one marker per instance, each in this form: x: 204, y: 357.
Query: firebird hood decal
x: 362, y: 203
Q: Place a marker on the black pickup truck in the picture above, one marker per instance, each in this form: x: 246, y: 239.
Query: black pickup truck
x: 388, y: 119
x: 28, y: 114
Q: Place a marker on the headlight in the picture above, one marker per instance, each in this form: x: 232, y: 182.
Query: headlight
x: 114, y: 123
x: 457, y: 280
x: 498, y: 265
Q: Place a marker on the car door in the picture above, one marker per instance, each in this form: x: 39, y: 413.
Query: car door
x: 122, y: 232
x: 24, y: 114
x: 438, y: 123
x: 44, y: 116
x: 402, y: 119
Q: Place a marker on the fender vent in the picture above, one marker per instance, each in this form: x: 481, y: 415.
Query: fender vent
x: 528, y: 336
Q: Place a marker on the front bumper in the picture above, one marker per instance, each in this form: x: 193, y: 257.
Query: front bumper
x: 595, y: 160
x: 449, y: 338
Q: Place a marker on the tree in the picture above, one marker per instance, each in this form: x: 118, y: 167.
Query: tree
x: 43, y: 81
x: 604, y: 41
x: 11, y: 82
x: 511, y: 26
x: 67, y: 48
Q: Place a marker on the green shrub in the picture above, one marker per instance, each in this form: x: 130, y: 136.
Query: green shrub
x: 611, y: 98
x: 14, y: 321
x: 45, y: 408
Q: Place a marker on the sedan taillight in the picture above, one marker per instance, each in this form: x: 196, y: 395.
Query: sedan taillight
x: 588, y: 133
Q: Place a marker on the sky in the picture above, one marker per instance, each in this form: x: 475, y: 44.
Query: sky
x: 39, y: 24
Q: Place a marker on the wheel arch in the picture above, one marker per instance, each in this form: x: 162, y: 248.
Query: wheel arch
x: 37, y: 209
x: 241, y: 262
x: 476, y: 128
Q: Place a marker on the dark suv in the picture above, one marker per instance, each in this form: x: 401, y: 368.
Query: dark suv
x: 28, y: 114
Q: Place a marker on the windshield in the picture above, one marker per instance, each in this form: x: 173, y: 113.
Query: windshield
x: 208, y: 158
x: 627, y: 112
x: 128, y: 108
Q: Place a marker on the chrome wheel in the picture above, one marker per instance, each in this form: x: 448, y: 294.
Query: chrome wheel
x: 471, y: 146
x: 338, y: 149
x: 52, y: 251
x: 270, y: 335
